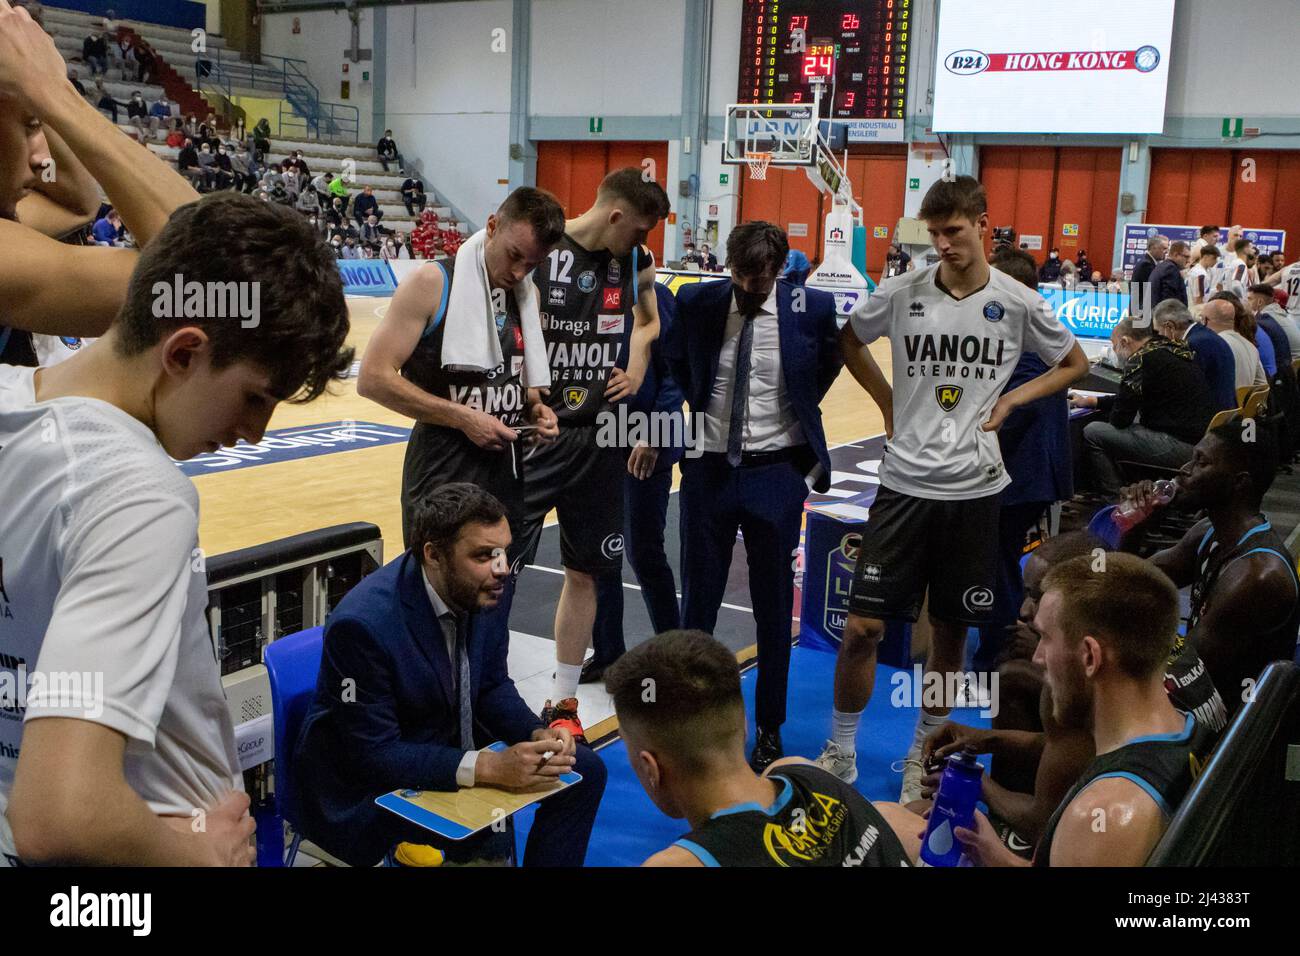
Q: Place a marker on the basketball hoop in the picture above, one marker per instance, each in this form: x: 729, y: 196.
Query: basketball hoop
x: 758, y: 163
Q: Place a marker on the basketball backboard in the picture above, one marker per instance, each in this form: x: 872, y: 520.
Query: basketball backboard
x: 785, y: 130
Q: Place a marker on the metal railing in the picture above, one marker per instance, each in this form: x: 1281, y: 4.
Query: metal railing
x: 308, y: 116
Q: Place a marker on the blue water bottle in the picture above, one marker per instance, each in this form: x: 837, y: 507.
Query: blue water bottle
x: 954, y: 806
x: 270, y: 833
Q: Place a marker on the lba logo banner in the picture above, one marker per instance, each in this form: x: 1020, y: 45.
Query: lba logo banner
x: 1014, y: 72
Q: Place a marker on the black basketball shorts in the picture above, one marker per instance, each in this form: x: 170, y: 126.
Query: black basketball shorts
x: 911, y: 545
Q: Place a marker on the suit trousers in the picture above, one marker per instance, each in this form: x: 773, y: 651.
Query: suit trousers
x: 765, y: 503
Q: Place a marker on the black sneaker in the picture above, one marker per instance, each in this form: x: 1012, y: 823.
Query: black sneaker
x: 767, y: 748
x: 592, y: 671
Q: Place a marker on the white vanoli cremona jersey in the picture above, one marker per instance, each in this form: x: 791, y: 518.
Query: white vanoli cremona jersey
x: 102, y: 600
x: 1290, y: 284
x: 952, y: 359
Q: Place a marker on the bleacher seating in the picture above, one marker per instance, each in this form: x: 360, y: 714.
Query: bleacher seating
x: 173, y: 45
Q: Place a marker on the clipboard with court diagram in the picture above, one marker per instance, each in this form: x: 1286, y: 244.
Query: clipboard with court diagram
x: 457, y: 814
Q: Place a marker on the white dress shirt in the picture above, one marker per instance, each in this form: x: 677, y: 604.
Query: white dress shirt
x: 447, y: 621
x: 770, y: 423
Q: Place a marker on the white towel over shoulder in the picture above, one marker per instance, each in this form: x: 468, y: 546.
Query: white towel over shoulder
x: 470, y: 343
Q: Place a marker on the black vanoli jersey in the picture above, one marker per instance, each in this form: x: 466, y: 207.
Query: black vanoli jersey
x: 816, y: 820
x: 1165, y: 766
x: 585, y: 299
x: 499, y: 392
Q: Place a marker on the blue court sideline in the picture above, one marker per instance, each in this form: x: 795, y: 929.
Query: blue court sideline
x: 629, y: 828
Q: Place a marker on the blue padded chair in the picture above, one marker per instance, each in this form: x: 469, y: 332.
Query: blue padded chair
x: 292, y: 664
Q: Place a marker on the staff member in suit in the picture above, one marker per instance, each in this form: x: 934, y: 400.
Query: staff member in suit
x: 646, y: 488
x: 1167, y: 277
x: 1157, y: 246
x: 413, y: 681
x: 756, y: 356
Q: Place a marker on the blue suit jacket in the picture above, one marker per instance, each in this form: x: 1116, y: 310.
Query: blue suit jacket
x: 1035, y: 442
x: 658, y: 392
x: 400, y: 727
x: 810, y: 352
x: 1214, y: 355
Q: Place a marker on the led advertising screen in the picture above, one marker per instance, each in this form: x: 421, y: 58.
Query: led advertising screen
x: 1040, y: 66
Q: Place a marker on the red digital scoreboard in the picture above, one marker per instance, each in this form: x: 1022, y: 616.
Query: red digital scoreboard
x: 859, y: 49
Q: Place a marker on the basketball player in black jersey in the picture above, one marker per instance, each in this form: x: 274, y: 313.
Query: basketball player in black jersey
x: 598, y: 275
x: 1245, y: 609
x: 54, y: 148
x: 682, y: 718
x: 467, y: 423
x: 1105, y: 665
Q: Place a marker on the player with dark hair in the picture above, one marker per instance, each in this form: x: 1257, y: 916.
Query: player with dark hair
x: 599, y: 272
x: 100, y: 532
x: 957, y: 331
x: 1106, y: 634
x: 682, y: 719
x: 468, y: 420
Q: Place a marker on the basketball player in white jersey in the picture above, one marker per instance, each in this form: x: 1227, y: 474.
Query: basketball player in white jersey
x: 956, y: 331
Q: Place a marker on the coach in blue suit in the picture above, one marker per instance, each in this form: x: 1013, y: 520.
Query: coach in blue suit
x: 754, y: 356
x: 413, y: 680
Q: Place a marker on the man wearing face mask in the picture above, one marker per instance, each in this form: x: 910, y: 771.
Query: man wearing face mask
x: 1163, y: 385
x: 1051, y: 270
x: 432, y: 688
x: 756, y: 355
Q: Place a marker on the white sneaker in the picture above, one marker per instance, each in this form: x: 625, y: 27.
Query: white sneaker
x: 842, y: 763
x: 913, y: 770
x: 971, y: 694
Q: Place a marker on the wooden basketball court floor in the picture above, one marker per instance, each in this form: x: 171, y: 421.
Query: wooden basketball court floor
x: 265, y: 502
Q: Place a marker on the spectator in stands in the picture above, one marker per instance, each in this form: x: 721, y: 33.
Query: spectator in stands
x: 137, y: 115
x: 1245, y: 607
x: 413, y: 195
x: 1164, y: 386
x: 290, y: 177
x: 105, y: 102
x: 1166, y: 278
x: 192, y: 130
x: 403, y: 250
x: 321, y: 184
x: 1069, y: 274
x: 160, y: 115
x: 176, y: 135
x: 1174, y: 321
x: 308, y: 202
x: 708, y: 261
x: 1220, y: 317
x: 241, y: 167
x: 336, y: 242
x: 366, y: 205
x: 1202, y: 276
x: 1244, y: 322
x: 279, y: 194
x: 208, y: 161
x: 387, y: 150
x: 691, y: 257
x: 334, y: 213
x: 94, y: 52
x: 339, y: 191
x: 1106, y: 638
x: 1084, y: 267
x: 1051, y: 270
x: 190, y: 166
x: 76, y: 83
x: 108, y: 229
x: 372, y: 233
x: 687, y: 747
x: 1209, y: 237
x: 1157, y: 246
x: 350, y: 250
x: 388, y: 249
x: 146, y: 65
x: 123, y: 52
x: 261, y: 139
x: 223, y: 170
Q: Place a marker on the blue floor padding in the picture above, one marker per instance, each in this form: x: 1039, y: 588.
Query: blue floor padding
x: 628, y: 826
